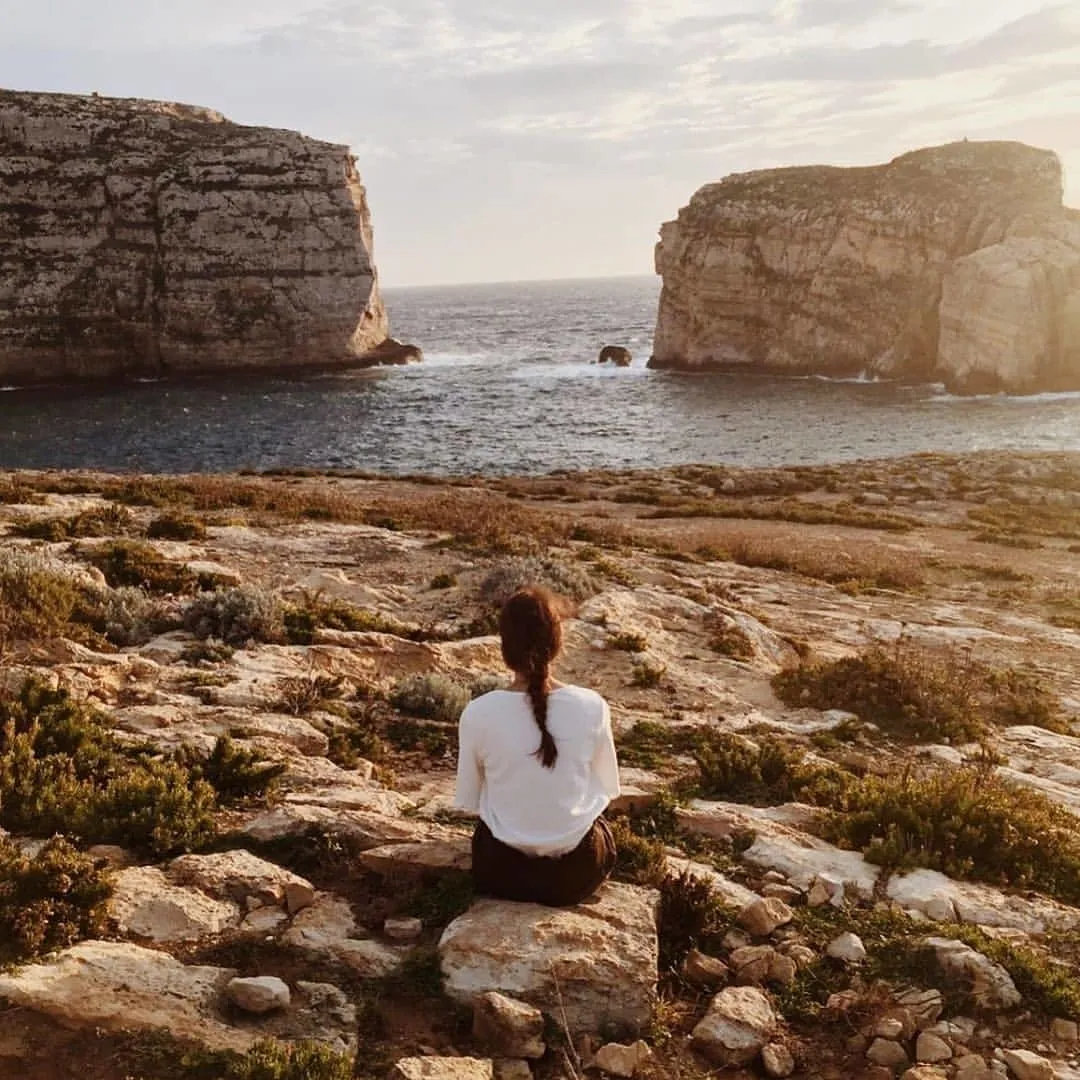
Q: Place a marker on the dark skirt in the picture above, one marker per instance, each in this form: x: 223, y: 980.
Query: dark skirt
x: 557, y: 881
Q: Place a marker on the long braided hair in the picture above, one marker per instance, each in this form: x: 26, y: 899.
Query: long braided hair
x: 530, y: 626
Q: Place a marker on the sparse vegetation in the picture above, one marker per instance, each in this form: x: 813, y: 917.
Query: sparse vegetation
x: 236, y: 616
x: 314, y: 611
x: 48, y: 901
x: 236, y: 775
x: 692, y: 915
x: 920, y: 695
x: 731, y: 640
x: 431, y: 696
x: 129, y: 616
x: 299, y: 695
x: 176, y: 526
x: 134, y: 563
x: 99, y: 521
x: 632, y: 641
x: 209, y: 651
x: 647, y: 674
x: 443, y: 581
x: 37, y: 601
x: 510, y: 574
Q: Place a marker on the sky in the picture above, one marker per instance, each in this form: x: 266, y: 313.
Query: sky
x: 506, y: 140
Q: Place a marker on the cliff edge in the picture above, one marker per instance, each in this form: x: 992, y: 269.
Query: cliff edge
x: 141, y: 237
x: 957, y: 264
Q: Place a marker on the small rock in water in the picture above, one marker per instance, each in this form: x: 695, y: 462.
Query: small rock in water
x: 259, y: 995
x: 848, y: 948
x: 624, y: 1061
x: 762, y: 917
x: 777, y: 1060
x: 403, y: 928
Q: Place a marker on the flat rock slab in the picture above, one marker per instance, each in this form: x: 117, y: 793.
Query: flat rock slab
x: 597, y: 961
x: 445, y: 855
x: 146, y: 905
x: 119, y: 986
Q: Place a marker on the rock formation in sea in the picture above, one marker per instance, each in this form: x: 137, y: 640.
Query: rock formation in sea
x: 141, y: 237
x: 957, y: 264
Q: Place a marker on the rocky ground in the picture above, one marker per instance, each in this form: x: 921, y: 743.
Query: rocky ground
x: 844, y: 699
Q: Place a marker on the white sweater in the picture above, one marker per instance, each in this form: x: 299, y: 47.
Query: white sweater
x: 536, y: 810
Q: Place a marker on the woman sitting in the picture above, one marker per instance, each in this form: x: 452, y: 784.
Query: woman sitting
x: 537, y: 762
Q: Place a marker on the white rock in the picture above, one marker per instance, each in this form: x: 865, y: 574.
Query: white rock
x: 599, y: 957
x: 122, y: 987
x: 1026, y: 1065
x: 145, y: 905
x: 925, y: 1006
x: 403, y: 928
x: 991, y: 984
x: 738, y: 1025
x: 259, y: 995
x: 848, y: 948
x: 507, y: 1028
x: 239, y: 876
x: 443, y: 1068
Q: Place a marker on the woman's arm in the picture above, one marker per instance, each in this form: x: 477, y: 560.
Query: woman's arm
x: 605, y: 762
x: 470, y: 770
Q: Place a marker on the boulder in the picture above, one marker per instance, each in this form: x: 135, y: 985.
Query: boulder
x: 117, y: 986
x: 393, y: 353
x: 738, y: 1025
x: 595, y: 963
x: 145, y: 905
x: 991, y: 985
x: 243, y: 877
x: 183, y: 242
x: 1027, y: 1065
x: 931, y: 1049
x: 403, y: 927
x: 887, y: 1053
x: 508, y: 1028
x: 258, y: 995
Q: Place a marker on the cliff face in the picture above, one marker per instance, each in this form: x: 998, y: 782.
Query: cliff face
x: 140, y: 237
x: 956, y: 263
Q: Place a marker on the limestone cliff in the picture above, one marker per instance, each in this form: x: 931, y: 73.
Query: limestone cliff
x: 139, y: 237
x: 956, y: 263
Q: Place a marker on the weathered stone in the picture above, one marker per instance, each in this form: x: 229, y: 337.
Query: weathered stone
x: 258, y: 995
x: 442, y: 1068
x: 508, y: 1028
x: 167, y: 238
x: 450, y: 854
x: 889, y: 1027
x: 370, y: 959
x: 617, y: 1059
x: 701, y: 970
x: 1065, y: 1030
x: 117, y: 986
x: 924, y: 1006
x: 241, y: 876
x: 883, y: 269
x: 888, y: 1053
x: 924, y: 1072
x: 403, y: 928
x: 991, y: 984
x: 751, y: 964
x: 788, y: 893
x: 512, y: 1069
x: 762, y: 917
x: 848, y: 948
x: 932, y: 1049
x: 596, y: 962
x: 783, y: 970
x: 777, y: 1060
x: 1027, y: 1065
x: 145, y: 905
x: 738, y: 1025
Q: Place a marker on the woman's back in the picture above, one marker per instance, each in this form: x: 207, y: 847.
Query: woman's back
x: 538, y: 810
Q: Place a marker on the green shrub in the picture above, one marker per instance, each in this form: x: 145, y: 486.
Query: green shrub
x: 967, y: 822
x: 62, y: 771
x: 236, y: 616
x: 652, y: 745
x: 731, y: 640
x: 628, y: 641
x: 209, y: 651
x: 235, y: 774
x: 133, y: 563
x: 443, y: 581
x: 509, y: 575
x: 36, y: 600
x: 640, y: 860
x: 299, y: 695
x: 359, y: 737
x: 767, y: 772
x: 431, y: 697
x: 920, y: 695
x: 485, y: 684
x: 315, y: 611
x: 692, y: 916
x: 269, y: 1060
x: 176, y: 526
x: 50, y: 900
x: 129, y: 616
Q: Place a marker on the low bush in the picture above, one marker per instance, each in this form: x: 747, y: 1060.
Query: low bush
x: 359, y: 737
x: 237, y: 616
x: 299, y: 695
x: 966, y: 822
x: 133, y: 563
x: 652, y: 745
x: 443, y: 581
x: 507, y: 576
x: 431, y: 696
x: 269, y: 1060
x: 129, y: 616
x: 641, y: 860
x: 176, y: 526
x: 765, y: 773
x: 692, y: 916
x: 919, y: 694
x: 731, y: 640
x: 315, y: 611
x: 62, y: 771
x: 99, y: 521
x: 647, y: 674
x: 236, y: 775
x: 37, y: 601
x: 440, y: 899
x: 209, y: 651
x: 632, y: 641
x: 50, y: 900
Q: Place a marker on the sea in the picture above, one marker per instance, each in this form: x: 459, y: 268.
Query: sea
x: 508, y: 386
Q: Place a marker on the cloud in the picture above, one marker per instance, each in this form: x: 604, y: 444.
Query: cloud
x: 474, y: 119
